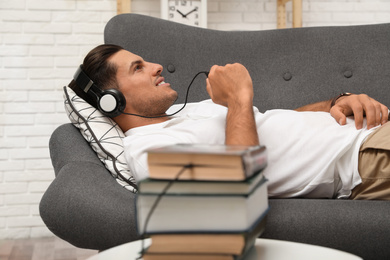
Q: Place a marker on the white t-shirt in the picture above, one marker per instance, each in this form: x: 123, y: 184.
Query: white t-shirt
x: 309, y: 153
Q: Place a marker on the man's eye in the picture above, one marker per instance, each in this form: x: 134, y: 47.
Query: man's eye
x: 138, y: 67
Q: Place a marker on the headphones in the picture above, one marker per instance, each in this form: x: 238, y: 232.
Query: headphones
x: 110, y: 102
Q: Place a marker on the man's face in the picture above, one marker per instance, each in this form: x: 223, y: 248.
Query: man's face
x: 141, y: 83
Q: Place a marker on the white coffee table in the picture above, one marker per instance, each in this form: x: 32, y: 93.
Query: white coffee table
x: 265, y: 249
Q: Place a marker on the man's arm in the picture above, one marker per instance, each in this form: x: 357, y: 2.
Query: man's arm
x: 323, y: 106
x: 357, y: 105
x: 231, y: 86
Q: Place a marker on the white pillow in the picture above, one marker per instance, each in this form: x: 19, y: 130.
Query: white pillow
x: 103, y: 135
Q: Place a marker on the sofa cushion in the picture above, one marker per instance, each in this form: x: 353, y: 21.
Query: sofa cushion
x: 103, y: 135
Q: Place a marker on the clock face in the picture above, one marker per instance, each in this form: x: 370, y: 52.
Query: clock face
x: 185, y: 12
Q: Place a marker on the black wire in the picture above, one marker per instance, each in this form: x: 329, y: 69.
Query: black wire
x: 185, y: 102
x: 157, y: 201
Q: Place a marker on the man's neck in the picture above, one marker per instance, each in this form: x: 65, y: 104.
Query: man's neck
x: 127, y: 122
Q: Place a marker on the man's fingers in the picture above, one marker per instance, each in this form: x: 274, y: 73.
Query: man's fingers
x: 208, y: 88
x: 378, y: 114
x: 361, y: 106
x: 384, y: 114
x: 338, y: 115
x: 358, y: 113
x: 375, y: 112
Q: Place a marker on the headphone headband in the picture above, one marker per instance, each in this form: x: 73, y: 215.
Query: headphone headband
x: 82, y: 79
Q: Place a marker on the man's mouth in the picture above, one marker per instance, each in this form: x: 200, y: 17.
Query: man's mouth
x: 160, y: 81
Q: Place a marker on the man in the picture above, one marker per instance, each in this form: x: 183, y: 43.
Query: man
x: 310, y: 154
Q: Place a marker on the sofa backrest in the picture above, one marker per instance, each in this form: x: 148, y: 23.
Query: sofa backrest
x: 289, y: 67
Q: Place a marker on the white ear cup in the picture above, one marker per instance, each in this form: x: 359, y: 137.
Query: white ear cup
x: 108, y: 103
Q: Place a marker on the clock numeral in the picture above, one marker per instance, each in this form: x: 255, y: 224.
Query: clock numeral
x: 172, y: 8
x: 183, y: 3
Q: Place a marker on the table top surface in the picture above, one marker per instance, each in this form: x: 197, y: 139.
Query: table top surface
x: 264, y: 249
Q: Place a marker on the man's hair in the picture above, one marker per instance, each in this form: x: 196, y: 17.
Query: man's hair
x: 99, y: 70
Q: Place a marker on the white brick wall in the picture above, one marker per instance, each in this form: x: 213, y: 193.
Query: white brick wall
x: 41, y: 44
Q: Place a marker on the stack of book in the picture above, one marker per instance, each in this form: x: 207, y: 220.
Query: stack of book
x: 215, y: 209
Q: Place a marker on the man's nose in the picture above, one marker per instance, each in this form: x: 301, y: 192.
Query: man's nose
x: 157, y: 69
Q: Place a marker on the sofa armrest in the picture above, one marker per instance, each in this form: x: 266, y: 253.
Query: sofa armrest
x: 85, y: 205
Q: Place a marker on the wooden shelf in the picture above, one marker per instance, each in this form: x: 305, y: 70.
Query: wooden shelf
x: 297, y: 13
x: 123, y: 6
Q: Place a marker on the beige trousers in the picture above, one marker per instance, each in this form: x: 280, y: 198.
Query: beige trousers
x: 374, y: 166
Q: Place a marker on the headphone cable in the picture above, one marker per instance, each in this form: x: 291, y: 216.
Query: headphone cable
x: 185, y: 102
x: 156, y: 202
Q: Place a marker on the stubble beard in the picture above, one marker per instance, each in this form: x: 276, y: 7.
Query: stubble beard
x: 157, y: 107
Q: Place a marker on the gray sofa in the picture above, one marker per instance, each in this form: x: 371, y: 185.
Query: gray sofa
x: 292, y: 67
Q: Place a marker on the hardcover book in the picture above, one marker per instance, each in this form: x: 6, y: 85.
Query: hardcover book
x: 208, y: 243
x: 249, y: 255
x: 208, y: 162
x: 156, y: 186
x: 202, y: 212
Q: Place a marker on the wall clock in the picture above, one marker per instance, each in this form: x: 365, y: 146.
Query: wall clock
x: 189, y: 12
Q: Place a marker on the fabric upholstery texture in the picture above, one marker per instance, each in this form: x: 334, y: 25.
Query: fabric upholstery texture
x: 84, y: 205
x: 290, y: 68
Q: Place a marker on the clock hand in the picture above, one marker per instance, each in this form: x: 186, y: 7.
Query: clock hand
x: 184, y: 15
x: 195, y: 9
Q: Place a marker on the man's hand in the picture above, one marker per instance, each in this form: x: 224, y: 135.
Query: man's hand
x: 230, y: 84
x: 358, y: 106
